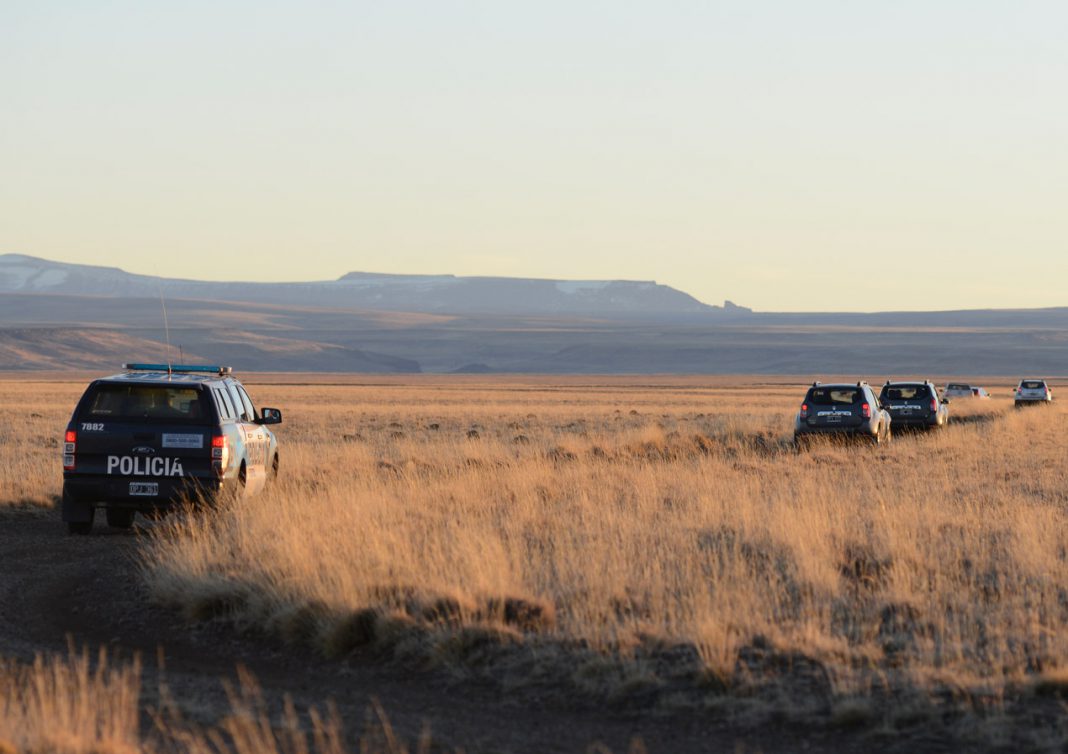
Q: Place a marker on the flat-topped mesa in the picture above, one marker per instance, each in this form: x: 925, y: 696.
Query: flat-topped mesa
x: 382, y: 278
x: 422, y: 294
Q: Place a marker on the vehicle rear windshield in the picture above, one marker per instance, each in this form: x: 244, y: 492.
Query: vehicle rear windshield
x: 831, y: 396
x: 958, y: 386
x: 137, y: 403
x: 1032, y: 384
x: 906, y: 392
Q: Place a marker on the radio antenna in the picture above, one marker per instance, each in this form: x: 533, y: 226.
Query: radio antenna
x: 166, y: 328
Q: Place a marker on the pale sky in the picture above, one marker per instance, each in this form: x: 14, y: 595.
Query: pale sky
x: 817, y: 155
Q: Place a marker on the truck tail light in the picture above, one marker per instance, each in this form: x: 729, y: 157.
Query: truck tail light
x: 804, y: 410
x: 934, y: 404
x: 220, y: 454
x: 866, y: 410
x: 70, y: 440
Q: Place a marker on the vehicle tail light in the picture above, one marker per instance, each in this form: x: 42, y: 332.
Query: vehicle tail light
x: 70, y: 440
x: 804, y: 410
x: 934, y: 404
x: 866, y: 410
x: 220, y: 454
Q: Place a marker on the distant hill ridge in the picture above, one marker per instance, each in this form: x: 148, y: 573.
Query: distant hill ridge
x: 70, y: 316
x: 442, y: 294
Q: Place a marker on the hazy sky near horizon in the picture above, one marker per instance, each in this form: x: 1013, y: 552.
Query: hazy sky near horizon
x: 820, y: 155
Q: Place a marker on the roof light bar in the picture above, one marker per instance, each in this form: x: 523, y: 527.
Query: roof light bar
x: 195, y: 368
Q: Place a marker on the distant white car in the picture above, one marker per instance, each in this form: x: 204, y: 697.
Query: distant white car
x: 957, y: 390
x: 963, y: 390
x: 1029, y: 392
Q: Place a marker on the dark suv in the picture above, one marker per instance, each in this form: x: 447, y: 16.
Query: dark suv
x: 914, y: 404
x: 157, y: 434
x: 842, y: 409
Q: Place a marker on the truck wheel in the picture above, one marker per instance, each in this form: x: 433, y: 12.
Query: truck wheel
x: 119, y: 518
x: 77, y: 514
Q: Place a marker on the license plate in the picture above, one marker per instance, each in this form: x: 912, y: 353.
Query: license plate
x: 144, y: 488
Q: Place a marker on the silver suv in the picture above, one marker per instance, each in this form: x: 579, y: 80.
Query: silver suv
x: 1030, y: 392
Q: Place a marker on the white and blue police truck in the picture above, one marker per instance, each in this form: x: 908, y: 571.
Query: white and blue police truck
x: 157, y: 435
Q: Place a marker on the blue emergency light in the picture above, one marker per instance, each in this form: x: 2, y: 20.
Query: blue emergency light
x: 194, y: 368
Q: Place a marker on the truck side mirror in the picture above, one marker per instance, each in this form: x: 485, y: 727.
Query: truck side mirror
x: 270, y: 416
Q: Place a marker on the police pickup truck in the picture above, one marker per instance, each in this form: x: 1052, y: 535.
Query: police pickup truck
x: 157, y: 434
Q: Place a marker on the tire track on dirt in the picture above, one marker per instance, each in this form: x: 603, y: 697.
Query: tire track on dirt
x: 87, y: 590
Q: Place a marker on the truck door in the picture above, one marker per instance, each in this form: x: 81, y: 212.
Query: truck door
x: 254, y: 438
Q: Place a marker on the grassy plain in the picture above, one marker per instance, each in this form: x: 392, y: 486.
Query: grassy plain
x: 650, y: 541
x: 646, y: 541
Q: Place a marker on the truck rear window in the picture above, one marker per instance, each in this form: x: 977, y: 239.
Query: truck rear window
x: 1032, y: 385
x: 831, y: 396
x: 137, y: 403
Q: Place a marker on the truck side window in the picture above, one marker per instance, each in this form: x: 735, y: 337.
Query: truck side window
x: 238, y: 406
x: 229, y: 404
x: 226, y: 410
x: 219, y: 408
x: 250, y: 410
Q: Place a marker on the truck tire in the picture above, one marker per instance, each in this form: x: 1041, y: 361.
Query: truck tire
x: 77, y: 514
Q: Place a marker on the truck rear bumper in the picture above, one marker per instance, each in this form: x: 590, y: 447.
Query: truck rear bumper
x: 114, y: 492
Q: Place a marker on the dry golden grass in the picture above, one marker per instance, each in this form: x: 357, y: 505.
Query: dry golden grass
x: 31, y: 435
x: 72, y: 705
x: 642, y: 539
x: 69, y: 706
x: 634, y: 540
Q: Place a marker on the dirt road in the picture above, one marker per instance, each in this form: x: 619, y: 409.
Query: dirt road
x: 55, y: 588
